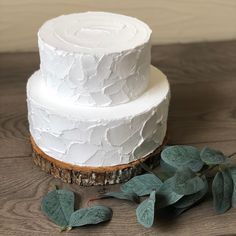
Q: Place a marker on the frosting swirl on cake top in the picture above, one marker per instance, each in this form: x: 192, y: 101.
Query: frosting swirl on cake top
x: 96, y: 31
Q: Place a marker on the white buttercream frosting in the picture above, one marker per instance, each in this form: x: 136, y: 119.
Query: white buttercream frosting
x: 95, y: 58
x: 98, y: 136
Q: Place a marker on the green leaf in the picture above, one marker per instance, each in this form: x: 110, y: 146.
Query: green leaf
x: 58, y: 205
x: 233, y: 176
x: 130, y: 196
x: 182, y: 156
x: 222, y: 190
x: 142, y: 184
x: 146, y: 211
x: 168, y: 168
x: 165, y: 196
x: 186, y: 182
x: 211, y: 156
x: 89, y: 216
x: 189, y: 200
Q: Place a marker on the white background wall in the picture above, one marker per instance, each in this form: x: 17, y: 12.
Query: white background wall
x: 171, y: 20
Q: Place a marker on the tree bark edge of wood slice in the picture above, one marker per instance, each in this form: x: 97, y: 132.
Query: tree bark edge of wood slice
x: 90, y: 176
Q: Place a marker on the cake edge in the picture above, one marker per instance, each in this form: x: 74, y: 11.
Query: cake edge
x: 91, y: 176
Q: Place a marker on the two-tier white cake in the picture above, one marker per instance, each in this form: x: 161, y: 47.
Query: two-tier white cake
x: 96, y: 101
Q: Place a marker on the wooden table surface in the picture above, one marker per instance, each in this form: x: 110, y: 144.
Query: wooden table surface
x: 202, y: 112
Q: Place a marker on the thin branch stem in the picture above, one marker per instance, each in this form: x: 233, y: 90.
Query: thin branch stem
x: 231, y: 155
x: 208, y: 169
x: 213, y: 166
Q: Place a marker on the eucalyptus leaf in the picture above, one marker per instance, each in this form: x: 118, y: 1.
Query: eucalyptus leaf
x: 89, y: 216
x: 142, y: 184
x: 58, y: 205
x: 222, y: 190
x: 186, y: 182
x: 233, y: 176
x: 146, y: 211
x: 189, y: 200
x: 130, y: 196
x: 168, y: 168
x: 212, y: 157
x: 165, y: 196
x: 182, y: 156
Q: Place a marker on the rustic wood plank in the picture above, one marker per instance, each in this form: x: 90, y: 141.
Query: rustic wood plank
x: 196, y: 62
x: 20, y: 212
x: 202, y: 112
x: 15, y: 69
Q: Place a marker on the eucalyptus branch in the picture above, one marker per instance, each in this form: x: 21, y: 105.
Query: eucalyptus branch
x: 178, y: 186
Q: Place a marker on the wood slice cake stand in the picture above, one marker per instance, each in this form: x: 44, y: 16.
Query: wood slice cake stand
x: 88, y: 176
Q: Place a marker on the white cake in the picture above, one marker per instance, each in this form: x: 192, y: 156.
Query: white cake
x: 96, y: 101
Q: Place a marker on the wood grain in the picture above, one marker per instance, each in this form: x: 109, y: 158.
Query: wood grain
x: 202, y: 112
x: 171, y: 21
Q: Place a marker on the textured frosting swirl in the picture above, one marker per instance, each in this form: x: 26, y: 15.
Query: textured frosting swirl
x: 95, y: 58
x: 98, y: 136
x: 94, y: 31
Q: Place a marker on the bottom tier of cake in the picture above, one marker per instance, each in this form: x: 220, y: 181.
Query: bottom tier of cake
x: 98, y: 136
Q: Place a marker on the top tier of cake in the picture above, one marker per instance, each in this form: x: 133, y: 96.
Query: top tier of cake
x: 95, y: 58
